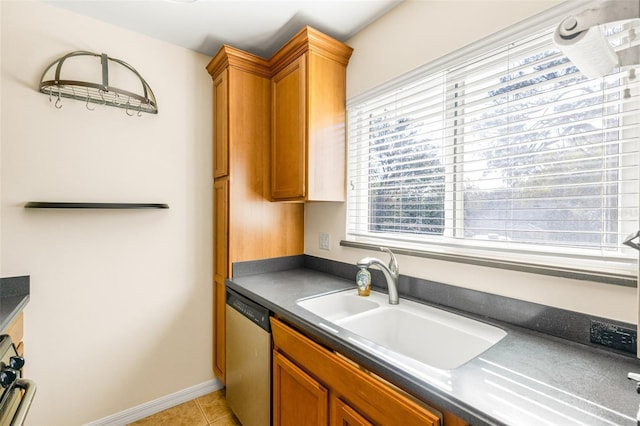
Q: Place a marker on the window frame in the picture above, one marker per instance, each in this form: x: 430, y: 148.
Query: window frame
x: 476, y: 255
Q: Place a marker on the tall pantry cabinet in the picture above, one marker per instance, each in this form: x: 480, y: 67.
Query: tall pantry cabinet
x: 246, y: 224
x: 279, y: 135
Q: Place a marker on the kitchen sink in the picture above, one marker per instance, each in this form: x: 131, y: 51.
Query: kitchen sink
x: 337, y: 306
x: 432, y: 336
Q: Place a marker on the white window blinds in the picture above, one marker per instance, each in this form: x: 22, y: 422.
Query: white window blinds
x: 512, y: 154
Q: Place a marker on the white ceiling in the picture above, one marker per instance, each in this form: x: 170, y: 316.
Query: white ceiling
x: 256, y: 26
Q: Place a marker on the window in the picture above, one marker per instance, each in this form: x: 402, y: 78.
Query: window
x: 510, y: 155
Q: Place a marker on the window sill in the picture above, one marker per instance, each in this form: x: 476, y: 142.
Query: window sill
x: 576, y: 274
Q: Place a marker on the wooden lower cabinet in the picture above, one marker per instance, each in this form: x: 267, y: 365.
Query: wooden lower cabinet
x: 343, y: 415
x: 219, y: 325
x: 16, y: 331
x: 314, y: 386
x: 303, y: 401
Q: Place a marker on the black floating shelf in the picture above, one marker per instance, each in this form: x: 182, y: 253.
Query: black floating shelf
x: 61, y: 205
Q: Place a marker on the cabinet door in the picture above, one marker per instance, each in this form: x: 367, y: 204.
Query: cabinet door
x: 221, y: 228
x: 298, y: 399
x: 288, y: 142
x: 221, y: 125
x: 343, y: 415
x: 220, y: 272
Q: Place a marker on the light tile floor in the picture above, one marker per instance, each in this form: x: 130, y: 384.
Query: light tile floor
x: 208, y: 410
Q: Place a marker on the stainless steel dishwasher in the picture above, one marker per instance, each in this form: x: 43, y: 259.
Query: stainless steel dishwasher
x: 248, y: 358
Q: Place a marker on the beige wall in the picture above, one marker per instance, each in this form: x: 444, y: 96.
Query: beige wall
x: 120, y: 298
x: 412, y: 34
x: 120, y: 310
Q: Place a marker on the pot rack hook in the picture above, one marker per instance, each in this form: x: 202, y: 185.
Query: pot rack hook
x: 127, y: 109
x: 58, y: 103
x: 87, y: 105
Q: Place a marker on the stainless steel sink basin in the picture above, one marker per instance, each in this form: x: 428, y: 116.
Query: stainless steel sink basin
x: 426, y: 334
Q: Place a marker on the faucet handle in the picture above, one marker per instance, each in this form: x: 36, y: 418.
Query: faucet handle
x: 393, y: 263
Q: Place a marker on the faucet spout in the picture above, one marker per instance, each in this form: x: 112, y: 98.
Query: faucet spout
x: 391, y: 273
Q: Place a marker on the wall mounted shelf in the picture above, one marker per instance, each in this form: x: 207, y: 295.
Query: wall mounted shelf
x: 65, y: 205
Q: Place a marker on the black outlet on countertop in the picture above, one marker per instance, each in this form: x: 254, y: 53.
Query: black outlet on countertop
x: 614, y: 336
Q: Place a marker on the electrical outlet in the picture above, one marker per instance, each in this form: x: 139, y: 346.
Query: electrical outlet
x: 614, y: 336
x: 324, y: 241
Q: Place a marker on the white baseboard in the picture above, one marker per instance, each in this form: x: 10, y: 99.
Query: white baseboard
x: 152, y: 407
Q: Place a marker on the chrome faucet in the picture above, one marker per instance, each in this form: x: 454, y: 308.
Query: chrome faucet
x: 391, y: 273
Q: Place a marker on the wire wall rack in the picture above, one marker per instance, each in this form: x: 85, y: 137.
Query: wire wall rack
x: 57, y: 86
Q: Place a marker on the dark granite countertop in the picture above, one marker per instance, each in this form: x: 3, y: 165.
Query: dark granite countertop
x: 527, y: 378
x: 14, y: 296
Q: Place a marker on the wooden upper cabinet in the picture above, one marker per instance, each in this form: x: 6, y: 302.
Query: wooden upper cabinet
x: 288, y: 149
x: 221, y: 129
x: 308, y: 123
